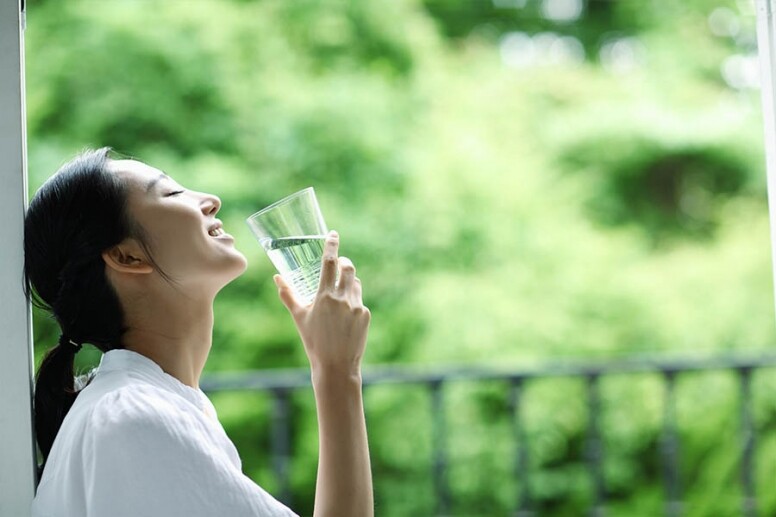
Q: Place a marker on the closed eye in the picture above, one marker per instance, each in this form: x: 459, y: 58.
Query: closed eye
x: 175, y: 193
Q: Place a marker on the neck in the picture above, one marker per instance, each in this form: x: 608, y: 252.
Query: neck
x: 174, y: 331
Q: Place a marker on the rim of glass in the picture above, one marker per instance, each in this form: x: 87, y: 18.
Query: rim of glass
x: 282, y: 201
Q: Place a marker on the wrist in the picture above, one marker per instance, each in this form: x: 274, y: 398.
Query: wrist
x: 330, y: 377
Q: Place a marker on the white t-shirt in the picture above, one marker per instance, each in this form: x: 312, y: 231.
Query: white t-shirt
x: 138, y: 442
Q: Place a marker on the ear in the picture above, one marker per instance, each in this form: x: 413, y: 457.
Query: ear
x: 127, y: 257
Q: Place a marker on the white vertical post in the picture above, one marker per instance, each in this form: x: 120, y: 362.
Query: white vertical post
x: 17, y: 452
x: 766, y: 48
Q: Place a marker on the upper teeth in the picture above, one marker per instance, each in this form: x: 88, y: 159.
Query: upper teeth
x: 215, y: 232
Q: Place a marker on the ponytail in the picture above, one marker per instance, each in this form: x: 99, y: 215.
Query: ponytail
x: 55, y: 392
x: 76, y: 214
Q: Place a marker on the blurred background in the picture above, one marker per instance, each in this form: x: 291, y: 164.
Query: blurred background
x: 519, y: 183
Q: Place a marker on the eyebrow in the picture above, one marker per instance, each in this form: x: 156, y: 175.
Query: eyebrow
x: 151, y: 184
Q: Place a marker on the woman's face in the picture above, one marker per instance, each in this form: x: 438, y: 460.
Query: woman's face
x: 179, y: 225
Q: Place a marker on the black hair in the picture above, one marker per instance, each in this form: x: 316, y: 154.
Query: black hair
x: 77, y: 214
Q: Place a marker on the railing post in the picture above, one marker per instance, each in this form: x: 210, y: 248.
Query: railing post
x: 594, y: 445
x: 281, y: 443
x: 748, y: 442
x: 440, y: 448
x: 521, y: 472
x: 669, y: 447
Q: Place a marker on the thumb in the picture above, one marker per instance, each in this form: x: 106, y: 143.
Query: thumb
x: 285, y: 293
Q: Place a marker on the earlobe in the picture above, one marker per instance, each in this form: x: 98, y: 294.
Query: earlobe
x: 123, y: 261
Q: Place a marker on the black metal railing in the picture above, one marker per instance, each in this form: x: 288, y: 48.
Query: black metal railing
x: 280, y: 385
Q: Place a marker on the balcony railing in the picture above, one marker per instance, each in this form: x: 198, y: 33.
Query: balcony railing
x: 280, y: 384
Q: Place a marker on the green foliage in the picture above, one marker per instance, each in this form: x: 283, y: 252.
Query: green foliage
x: 495, y: 214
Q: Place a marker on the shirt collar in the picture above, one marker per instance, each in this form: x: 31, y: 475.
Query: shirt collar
x: 131, y: 362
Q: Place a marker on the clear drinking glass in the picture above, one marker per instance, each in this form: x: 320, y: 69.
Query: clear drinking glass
x: 292, y: 232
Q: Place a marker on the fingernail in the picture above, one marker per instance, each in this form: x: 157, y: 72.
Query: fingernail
x: 333, y: 234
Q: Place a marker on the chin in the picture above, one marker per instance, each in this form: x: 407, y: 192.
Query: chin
x: 227, y: 270
x: 237, y: 265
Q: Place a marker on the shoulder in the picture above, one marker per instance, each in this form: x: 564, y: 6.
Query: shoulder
x: 144, y: 449
x: 137, y: 410
x: 144, y: 429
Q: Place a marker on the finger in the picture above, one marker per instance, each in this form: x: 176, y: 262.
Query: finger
x: 329, y: 263
x: 286, y: 294
x: 347, y: 274
x: 357, y: 298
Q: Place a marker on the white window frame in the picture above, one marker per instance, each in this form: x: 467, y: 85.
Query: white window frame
x: 17, y: 449
x: 766, y: 47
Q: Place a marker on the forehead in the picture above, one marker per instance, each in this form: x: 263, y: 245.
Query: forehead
x: 138, y: 174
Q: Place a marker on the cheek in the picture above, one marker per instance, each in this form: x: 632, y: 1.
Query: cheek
x: 175, y: 236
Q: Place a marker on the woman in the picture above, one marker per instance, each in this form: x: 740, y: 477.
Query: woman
x: 130, y: 262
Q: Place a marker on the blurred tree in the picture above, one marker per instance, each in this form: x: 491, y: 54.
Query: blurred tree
x: 501, y: 194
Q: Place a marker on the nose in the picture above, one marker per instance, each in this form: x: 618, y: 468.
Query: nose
x: 211, y: 204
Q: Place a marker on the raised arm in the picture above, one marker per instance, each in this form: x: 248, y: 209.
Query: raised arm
x: 334, y: 330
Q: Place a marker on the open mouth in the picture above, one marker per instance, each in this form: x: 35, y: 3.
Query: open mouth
x: 215, y: 232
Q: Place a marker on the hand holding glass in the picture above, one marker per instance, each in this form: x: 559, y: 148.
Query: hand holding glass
x: 292, y: 232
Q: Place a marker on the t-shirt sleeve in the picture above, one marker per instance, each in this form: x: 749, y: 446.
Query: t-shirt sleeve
x: 145, y: 457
